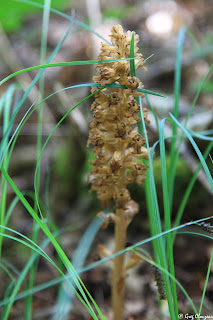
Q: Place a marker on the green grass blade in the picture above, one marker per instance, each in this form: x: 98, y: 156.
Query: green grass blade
x: 7, y: 293
x: 7, y: 103
x: 189, y: 189
x: 27, y: 92
x: 9, y: 301
x: 177, y: 85
x: 153, y: 112
x: 35, y: 231
x: 59, y: 250
x: 4, y: 267
x: 30, y: 88
x: 58, y: 64
x: 96, y: 264
x: 197, y: 95
x: 154, y: 218
x: 165, y: 271
x: 83, y: 25
x: 206, y: 282
x: 205, y: 167
x: 167, y: 214
x: 132, y: 55
x: 65, y: 298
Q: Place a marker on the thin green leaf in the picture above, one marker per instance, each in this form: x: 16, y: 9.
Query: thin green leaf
x: 132, y: 55
x: 59, y: 64
x: 205, y: 167
x: 65, y: 298
x: 70, y: 18
x: 177, y: 86
x: 96, y: 264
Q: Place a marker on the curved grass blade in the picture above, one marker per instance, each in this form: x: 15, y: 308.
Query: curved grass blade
x: 83, y: 25
x: 65, y: 298
x: 59, y: 64
x: 153, y: 112
x: 22, y: 277
x: 177, y: 85
x: 189, y: 189
x: 200, y: 136
x: 32, y: 243
x: 96, y: 264
x: 6, y: 270
x: 7, y: 110
x: 35, y: 229
x: 7, y: 293
x: 167, y: 214
x: 155, y: 222
x: 64, y: 258
x: 206, y: 282
x: 164, y: 271
x: 205, y: 167
x: 29, y: 89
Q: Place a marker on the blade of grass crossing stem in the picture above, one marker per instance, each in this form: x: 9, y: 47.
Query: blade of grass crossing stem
x: 177, y: 85
x: 75, y: 86
x: 167, y: 213
x: 2, y: 153
x: 202, y: 160
x: 154, y: 218
x: 29, y: 113
x: 50, y: 135
x: 58, y: 64
x: 15, y: 135
x: 43, y: 50
x: 104, y: 260
x: 65, y: 260
x: 206, y: 282
x: 65, y: 297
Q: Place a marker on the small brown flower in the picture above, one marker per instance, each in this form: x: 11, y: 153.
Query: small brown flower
x: 118, y: 146
x: 122, y: 198
x: 113, y: 133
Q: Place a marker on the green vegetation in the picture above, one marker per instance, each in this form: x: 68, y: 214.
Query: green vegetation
x: 44, y: 240
x: 13, y: 13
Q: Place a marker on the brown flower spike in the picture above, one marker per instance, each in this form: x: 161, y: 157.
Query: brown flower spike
x: 117, y: 145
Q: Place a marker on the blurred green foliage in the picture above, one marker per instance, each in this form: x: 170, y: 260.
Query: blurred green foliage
x: 13, y: 13
x: 208, y: 86
x: 118, y: 12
